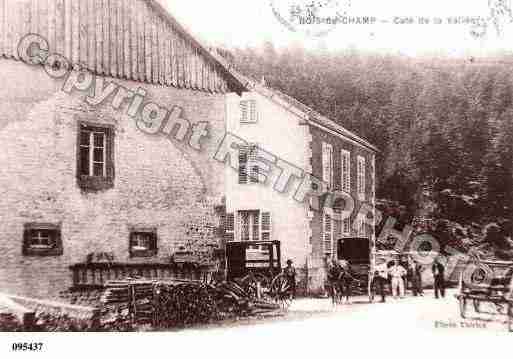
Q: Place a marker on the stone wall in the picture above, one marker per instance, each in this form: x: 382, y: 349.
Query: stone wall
x: 158, y: 183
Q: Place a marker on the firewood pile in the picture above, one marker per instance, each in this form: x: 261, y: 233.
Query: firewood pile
x: 9, y: 323
x: 177, y: 304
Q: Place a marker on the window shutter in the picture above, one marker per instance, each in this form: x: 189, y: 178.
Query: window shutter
x: 337, y: 228
x: 361, y: 178
x: 346, y: 171
x: 266, y: 226
x: 327, y: 163
x: 244, y: 111
x: 110, y: 154
x: 253, y: 162
x: 153, y: 242
x: 26, y: 242
x: 253, y: 113
x: 327, y: 235
x: 229, y: 227
x: 243, y: 164
x: 346, y: 230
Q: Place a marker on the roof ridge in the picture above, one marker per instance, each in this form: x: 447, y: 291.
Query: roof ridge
x: 307, y: 110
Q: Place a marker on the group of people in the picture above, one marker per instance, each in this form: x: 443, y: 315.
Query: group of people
x: 398, y: 277
x: 341, y: 277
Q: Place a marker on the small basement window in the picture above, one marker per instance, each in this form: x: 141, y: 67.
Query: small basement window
x: 143, y: 243
x: 95, y: 160
x: 42, y: 240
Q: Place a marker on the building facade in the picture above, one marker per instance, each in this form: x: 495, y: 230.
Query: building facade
x: 276, y: 128
x: 79, y: 176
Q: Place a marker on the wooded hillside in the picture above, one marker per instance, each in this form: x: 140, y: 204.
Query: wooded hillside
x: 444, y: 125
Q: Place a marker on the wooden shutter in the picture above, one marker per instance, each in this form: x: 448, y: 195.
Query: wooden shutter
x: 243, y: 164
x: 244, y: 111
x: 327, y: 235
x: 346, y: 170
x: 266, y: 226
x: 346, y: 227
x: 337, y: 228
x: 229, y: 227
x: 253, y: 113
x: 361, y: 178
x: 327, y: 163
x: 253, y: 163
x: 109, y: 132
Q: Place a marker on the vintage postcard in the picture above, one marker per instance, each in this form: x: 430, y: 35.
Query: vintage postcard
x: 284, y: 173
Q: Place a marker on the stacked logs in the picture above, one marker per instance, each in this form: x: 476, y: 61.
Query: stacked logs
x: 176, y: 304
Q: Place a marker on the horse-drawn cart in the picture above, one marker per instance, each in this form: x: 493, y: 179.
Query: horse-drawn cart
x: 490, y: 283
x: 256, y: 266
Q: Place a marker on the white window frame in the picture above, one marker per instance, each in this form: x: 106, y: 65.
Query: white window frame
x: 327, y: 164
x: 234, y: 232
x: 361, y: 176
x: 91, y: 147
x: 345, y: 170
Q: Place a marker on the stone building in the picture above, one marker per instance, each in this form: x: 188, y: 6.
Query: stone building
x: 113, y: 117
x: 79, y: 176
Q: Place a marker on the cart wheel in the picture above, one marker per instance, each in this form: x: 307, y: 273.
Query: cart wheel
x: 281, y: 291
x: 463, y: 307
x: 251, y: 284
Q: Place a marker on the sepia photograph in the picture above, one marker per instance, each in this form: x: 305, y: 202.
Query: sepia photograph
x: 247, y: 176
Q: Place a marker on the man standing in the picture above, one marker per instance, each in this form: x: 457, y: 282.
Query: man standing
x: 439, y: 276
x: 397, y: 272
x: 417, y: 280
x: 379, y: 281
x: 290, y: 274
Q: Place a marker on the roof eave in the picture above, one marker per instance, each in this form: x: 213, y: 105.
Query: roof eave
x: 235, y: 83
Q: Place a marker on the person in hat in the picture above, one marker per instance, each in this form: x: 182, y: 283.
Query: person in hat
x: 439, y: 277
x: 397, y: 272
x: 347, y: 278
x: 290, y: 274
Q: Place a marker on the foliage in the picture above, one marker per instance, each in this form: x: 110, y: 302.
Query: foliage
x: 444, y: 125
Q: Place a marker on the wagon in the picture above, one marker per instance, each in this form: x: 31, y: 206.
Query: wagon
x: 485, y: 281
x: 256, y: 266
x: 361, y: 257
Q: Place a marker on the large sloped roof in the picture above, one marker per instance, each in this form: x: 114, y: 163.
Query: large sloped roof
x: 130, y: 39
x: 303, y: 111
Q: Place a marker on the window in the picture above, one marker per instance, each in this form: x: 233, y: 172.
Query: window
x: 95, y: 165
x: 248, y: 110
x: 327, y: 164
x: 143, y: 243
x: 361, y: 228
x: 345, y: 166
x: 361, y: 178
x: 252, y: 225
x: 248, y: 164
x: 341, y: 228
x: 229, y: 227
x: 327, y: 235
x: 42, y: 240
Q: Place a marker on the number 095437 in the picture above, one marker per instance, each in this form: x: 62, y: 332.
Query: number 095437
x: 27, y: 347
